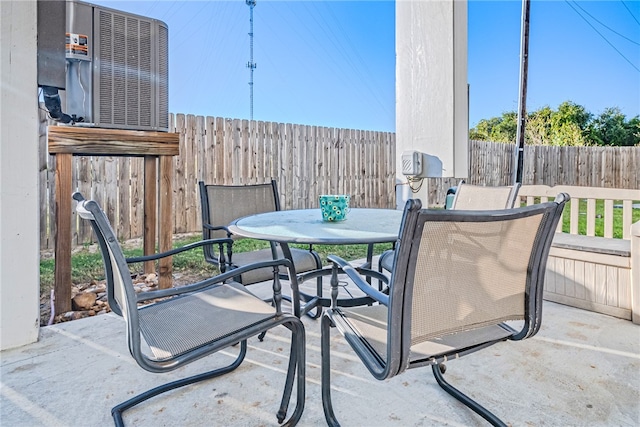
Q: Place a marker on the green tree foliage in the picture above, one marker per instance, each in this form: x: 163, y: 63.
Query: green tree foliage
x: 570, y: 124
x: 497, y: 129
x: 612, y: 128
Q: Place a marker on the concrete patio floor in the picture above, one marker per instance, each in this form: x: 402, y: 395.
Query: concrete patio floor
x: 582, y: 369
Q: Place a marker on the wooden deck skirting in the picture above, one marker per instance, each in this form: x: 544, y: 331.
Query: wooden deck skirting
x: 595, y: 273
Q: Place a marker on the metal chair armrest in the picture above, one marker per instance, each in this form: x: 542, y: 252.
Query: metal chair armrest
x: 171, y: 252
x: 220, y: 278
x: 357, y: 279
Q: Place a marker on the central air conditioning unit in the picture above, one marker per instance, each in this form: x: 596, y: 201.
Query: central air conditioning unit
x: 117, y: 68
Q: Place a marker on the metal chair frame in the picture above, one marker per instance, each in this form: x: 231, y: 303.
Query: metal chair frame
x: 124, y: 302
x: 223, y: 260
x: 390, y: 349
x: 385, y: 261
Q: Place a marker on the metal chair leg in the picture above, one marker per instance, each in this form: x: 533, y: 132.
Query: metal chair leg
x: 118, y: 410
x: 466, y: 400
x: 329, y: 415
x: 296, y: 363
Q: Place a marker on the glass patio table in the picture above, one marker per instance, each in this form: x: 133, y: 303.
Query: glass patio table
x: 305, y: 226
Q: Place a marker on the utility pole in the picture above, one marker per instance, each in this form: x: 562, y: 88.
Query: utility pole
x: 522, y: 100
x: 251, y: 65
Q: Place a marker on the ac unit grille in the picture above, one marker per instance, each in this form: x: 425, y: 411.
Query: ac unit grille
x: 144, y: 65
x: 132, y: 82
x: 163, y: 74
x: 119, y: 63
x: 106, y: 68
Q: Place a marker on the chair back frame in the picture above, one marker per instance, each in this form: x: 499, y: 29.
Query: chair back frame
x: 124, y: 301
x: 213, y: 226
x: 238, y: 192
x: 402, y: 279
x: 481, y: 197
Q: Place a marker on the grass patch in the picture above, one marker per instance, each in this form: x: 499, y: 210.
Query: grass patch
x: 86, y: 265
x: 599, y: 222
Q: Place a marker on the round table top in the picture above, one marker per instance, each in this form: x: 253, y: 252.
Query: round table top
x: 306, y: 226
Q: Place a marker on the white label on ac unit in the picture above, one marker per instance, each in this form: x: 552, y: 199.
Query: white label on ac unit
x: 77, y: 44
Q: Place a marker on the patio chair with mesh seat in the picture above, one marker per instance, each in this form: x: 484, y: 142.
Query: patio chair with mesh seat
x: 468, y: 197
x: 182, y: 324
x: 221, y: 204
x: 459, y: 279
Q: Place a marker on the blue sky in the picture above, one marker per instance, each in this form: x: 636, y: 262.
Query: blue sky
x: 332, y: 63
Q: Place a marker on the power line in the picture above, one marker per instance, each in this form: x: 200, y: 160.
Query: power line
x: 606, y: 26
x: 603, y: 37
x: 629, y: 10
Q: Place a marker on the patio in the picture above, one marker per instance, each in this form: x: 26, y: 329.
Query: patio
x: 582, y: 368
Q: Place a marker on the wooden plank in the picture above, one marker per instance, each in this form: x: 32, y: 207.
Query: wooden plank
x: 596, y: 258
x: 98, y: 182
x: 206, y: 153
x: 229, y: 135
x: 165, y: 220
x: 101, y: 141
x: 199, y: 153
x: 574, y: 215
x: 590, y: 281
x: 612, y: 286
x: 624, y: 288
x: 302, y: 163
x: 580, y: 291
x: 560, y: 277
x: 334, y: 160
x: 244, y: 155
x: 350, y: 169
x: 312, y: 165
x: 124, y: 198
x: 191, y: 174
x: 281, y: 155
x: 608, y: 218
x: 62, y: 269
x: 589, y: 305
x: 569, y: 277
x: 150, y: 210
x: 110, y: 180
x: 289, y: 146
x: 324, y: 173
x: 591, y: 217
x: 601, y: 284
x: 261, y: 163
x: 84, y: 184
x: 178, y: 179
x: 219, y: 153
x: 236, y: 153
x: 627, y: 218
x: 392, y: 169
x: 550, y: 276
x: 137, y: 196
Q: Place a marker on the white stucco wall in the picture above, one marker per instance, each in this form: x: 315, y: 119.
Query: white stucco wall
x: 19, y: 210
x: 432, y: 112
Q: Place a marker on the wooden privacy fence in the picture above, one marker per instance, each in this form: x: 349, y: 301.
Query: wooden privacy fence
x: 492, y: 163
x: 306, y: 161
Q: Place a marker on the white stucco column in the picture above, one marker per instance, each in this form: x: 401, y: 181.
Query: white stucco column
x: 19, y: 209
x: 432, y: 113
